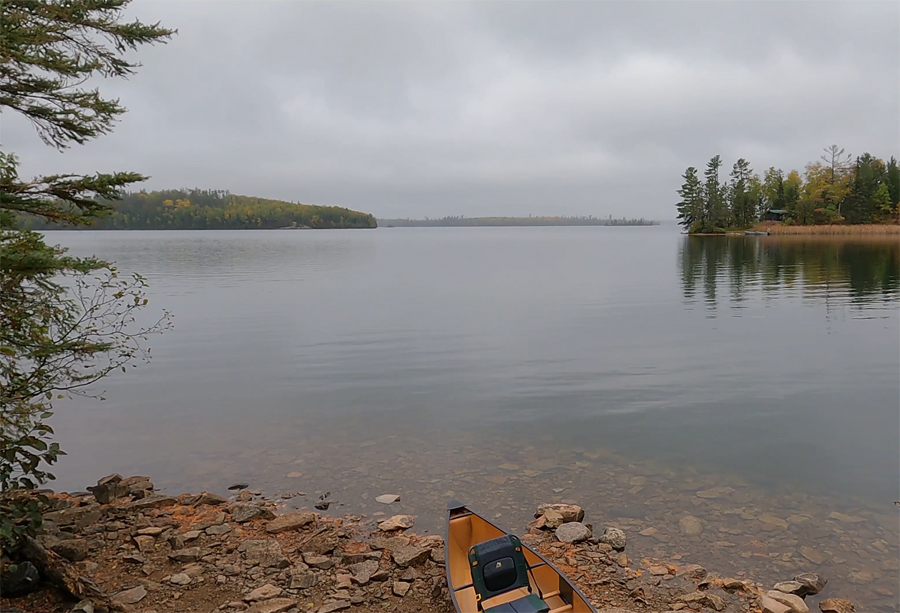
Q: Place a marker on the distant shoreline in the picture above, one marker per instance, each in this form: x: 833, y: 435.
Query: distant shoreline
x: 499, y: 222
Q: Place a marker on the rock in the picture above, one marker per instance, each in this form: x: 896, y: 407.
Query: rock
x: 622, y: 560
x: 361, y: 572
x: 302, y: 579
x: 145, y: 544
x: 210, y: 499
x: 191, y: 535
x: 715, y: 492
x: 573, y: 532
x: 73, y: 550
x: 392, y: 542
x: 400, y: 588
x: 659, y: 570
x: 772, y: 521
x: 276, y: 605
x: 569, y: 512
x: 242, y: 513
x: 550, y: 520
x: 188, y: 499
x: 812, y: 555
x: 218, y: 530
x: 381, y: 575
x: 861, y: 576
x: 264, y: 592
x: 847, y: 519
x: 690, y: 525
x: 613, y: 537
x: 836, y: 605
x: 85, y: 606
x: 813, y: 583
x: 337, y: 605
x: 188, y: 554
x: 410, y: 556
x: 180, y: 579
x: 397, y: 522
x: 794, y: 603
x: 238, y: 486
x: 108, y: 492
x: 132, y: 596
x: 266, y: 553
x: 790, y: 587
x: 387, y: 498
x: 694, y: 572
x: 770, y: 605
x: 318, y: 561
x: 20, y: 581
x: 705, y: 599
x: 290, y: 521
x: 150, y: 531
x: 156, y: 501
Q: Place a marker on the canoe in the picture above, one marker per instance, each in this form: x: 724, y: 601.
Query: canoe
x: 489, y: 570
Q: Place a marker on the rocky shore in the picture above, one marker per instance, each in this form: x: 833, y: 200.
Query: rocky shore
x: 123, y: 547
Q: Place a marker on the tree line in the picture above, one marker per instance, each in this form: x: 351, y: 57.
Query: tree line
x: 198, y: 209
x: 461, y: 221
x: 835, y: 189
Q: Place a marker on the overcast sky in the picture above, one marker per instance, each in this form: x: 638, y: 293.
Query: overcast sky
x: 430, y: 109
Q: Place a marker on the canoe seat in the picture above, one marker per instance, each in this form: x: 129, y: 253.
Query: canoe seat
x: 498, y: 566
x: 529, y: 604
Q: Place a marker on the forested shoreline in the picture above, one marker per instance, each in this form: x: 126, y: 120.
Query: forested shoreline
x: 466, y: 222
x: 214, y: 210
x: 837, y: 189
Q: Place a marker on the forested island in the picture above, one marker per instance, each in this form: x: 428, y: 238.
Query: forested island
x: 834, y: 190
x: 214, y: 210
x: 462, y: 221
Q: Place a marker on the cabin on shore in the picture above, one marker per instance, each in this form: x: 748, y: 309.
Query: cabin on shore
x: 776, y: 214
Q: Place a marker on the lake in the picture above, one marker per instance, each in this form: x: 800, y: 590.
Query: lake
x: 750, y: 382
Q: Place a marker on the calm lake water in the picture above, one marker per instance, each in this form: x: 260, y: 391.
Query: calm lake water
x: 626, y: 369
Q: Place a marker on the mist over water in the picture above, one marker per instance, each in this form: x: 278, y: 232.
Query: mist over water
x: 418, y: 360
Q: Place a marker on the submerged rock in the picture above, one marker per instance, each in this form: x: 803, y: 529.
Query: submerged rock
x: 837, y: 605
x: 690, y: 525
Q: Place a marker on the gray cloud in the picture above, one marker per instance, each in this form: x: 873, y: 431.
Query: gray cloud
x: 418, y: 109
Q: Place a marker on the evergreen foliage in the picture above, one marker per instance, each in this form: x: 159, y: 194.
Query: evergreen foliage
x: 834, y: 190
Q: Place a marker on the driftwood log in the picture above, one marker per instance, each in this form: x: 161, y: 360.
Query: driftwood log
x: 63, y: 574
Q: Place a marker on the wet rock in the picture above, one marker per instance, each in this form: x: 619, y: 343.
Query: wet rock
x: 210, y: 499
x: 573, y: 532
x: 861, y: 576
x: 771, y: 522
x: 276, y: 605
x: 132, y: 596
x: 812, y: 555
x: 410, y: 556
x: 24, y: 579
x: 836, y: 605
x: 770, y: 605
x: 188, y: 554
x: 613, y: 537
x: 790, y: 587
x: 813, y: 583
x: 794, y: 603
x: 337, y: 605
x: 715, y: 492
x: 242, y: 513
x: 690, y: 525
x: 397, y: 522
x: 847, y: 519
x: 156, y: 501
x: 387, y: 498
x: 361, y: 572
x: 264, y: 592
x: 73, y: 550
x: 266, y: 553
x: 569, y: 512
x: 180, y: 579
x: 400, y: 588
x: 238, y: 486
x: 290, y: 521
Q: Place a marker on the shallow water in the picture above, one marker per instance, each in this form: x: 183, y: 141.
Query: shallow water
x: 626, y: 369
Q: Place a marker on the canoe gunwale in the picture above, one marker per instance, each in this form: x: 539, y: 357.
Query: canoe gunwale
x: 543, y: 561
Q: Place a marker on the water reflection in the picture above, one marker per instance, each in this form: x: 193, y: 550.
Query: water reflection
x: 855, y: 271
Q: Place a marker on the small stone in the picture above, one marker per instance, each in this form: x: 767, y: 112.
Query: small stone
x: 397, y: 522
x: 302, y: 579
x: 847, y: 519
x: 772, y: 521
x: 145, y: 544
x: 210, y: 499
x: 613, y: 537
x: 337, y: 605
x: 790, y: 587
x: 242, y: 513
x: 410, y: 556
x: 715, y: 492
x: 318, y: 561
x: 694, y: 572
x: 381, y: 575
x: 191, y: 535
x: 238, y: 486
x: 659, y: 570
x: 24, y: 579
x: 812, y: 555
x: 156, y: 501
x: 132, y: 596
x: 264, y: 592
x: 290, y: 521
x: 294, y: 475
x: 188, y: 554
x: 362, y: 572
x: 690, y: 525
x: 569, y: 512
x: 85, y: 606
x: 622, y: 560
x: 387, y: 498
x: 573, y: 532
x: 218, y: 530
x: 770, y: 605
x: 150, y: 531
x: 836, y: 605
x: 73, y: 550
x: 276, y: 605
x: 813, y: 583
x: 794, y: 603
x: 400, y: 588
x: 180, y: 579
x: 705, y: 599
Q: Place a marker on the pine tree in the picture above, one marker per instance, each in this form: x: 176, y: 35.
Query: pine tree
x: 690, y: 207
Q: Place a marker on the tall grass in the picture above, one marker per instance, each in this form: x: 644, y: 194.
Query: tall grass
x: 853, y: 230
